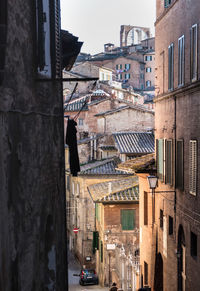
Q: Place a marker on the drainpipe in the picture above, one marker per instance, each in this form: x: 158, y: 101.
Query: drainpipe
x: 174, y: 128
x: 104, y: 124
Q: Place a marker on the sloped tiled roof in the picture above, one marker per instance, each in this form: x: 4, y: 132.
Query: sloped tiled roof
x: 134, y: 142
x: 123, y: 190
x: 141, y: 164
x: 137, y: 107
x: 108, y: 148
x: 106, y: 167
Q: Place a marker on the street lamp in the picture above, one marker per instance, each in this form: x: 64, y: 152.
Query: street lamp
x: 153, y: 182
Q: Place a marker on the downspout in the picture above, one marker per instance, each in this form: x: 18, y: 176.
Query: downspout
x: 104, y: 124
x: 174, y: 128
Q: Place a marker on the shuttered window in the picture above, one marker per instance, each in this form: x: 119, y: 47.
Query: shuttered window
x: 181, y: 60
x: 193, y: 52
x: 171, y: 227
x: 193, y: 167
x: 95, y: 241
x: 3, y: 36
x: 97, y: 211
x: 168, y: 161
x: 160, y: 158
x: 161, y: 218
x: 55, y: 38
x: 128, y: 219
x: 179, y: 165
x: 101, y: 251
x: 145, y: 273
x: 145, y: 208
x: 167, y: 3
x: 48, y: 38
x: 171, y: 66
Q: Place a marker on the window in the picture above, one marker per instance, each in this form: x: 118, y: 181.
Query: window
x: 127, y: 76
x: 95, y: 245
x: 161, y: 218
x: 148, y: 70
x: 145, y: 273
x: 148, y: 83
x: 68, y: 182
x: 48, y: 38
x: 142, y: 76
x: 193, y: 167
x: 3, y: 36
x: 73, y: 188
x: 127, y: 66
x: 168, y: 161
x: 128, y: 219
x: 181, y: 60
x: 160, y: 158
x: 170, y: 225
x: 171, y: 66
x: 120, y: 76
x: 167, y: 3
x: 101, y: 252
x: 142, y: 86
x: 148, y: 58
x: 193, y: 244
x: 193, y: 52
x: 179, y: 164
x: 120, y: 66
x: 117, y: 67
x: 145, y: 208
x: 80, y: 121
x: 78, y: 189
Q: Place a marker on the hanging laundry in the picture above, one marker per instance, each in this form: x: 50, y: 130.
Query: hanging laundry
x: 71, y: 141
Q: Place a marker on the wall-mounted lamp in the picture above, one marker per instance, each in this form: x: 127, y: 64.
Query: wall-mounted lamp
x: 153, y: 183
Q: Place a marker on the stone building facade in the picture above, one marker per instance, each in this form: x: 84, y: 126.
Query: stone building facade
x: 33, y: 245
x: 117, y: 231
x: 81, y: 207
x: 177, y: 139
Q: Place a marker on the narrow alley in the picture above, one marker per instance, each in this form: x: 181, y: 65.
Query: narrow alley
x: 74, y: 268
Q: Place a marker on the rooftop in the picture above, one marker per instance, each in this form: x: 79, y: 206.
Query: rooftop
x: 143, y: 164
x: 103, y: 167
x: 123, y: 190
x: 134, y: 142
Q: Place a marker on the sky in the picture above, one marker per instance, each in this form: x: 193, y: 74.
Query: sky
x: 97, y: 22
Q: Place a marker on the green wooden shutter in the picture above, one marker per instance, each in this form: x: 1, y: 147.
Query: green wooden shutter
x: 168, y: 163
x: 160, y: 158
x: 179, y: 164
x: 127, y: 219
x: 193, y: 167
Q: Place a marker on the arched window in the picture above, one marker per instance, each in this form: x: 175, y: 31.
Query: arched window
x: 3, y: 33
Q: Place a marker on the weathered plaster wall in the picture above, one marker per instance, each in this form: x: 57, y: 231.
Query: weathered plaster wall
x: 32, y: 208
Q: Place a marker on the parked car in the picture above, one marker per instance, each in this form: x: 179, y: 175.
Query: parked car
x: 88, y: 276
